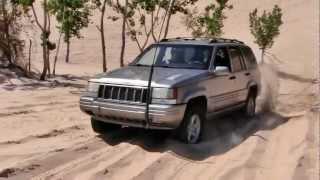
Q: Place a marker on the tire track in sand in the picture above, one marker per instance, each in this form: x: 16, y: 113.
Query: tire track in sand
x: 53, y: 163
x: 307, y: 167
x: 202, y: 161
x: 55, y: 173
x: 275, y: 156
x: 25, y: 110
x: 121, y: 164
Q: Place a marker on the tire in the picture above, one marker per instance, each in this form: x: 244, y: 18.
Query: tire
x: 191, y: 129
x: 102, y: 127
x: 250, y: 107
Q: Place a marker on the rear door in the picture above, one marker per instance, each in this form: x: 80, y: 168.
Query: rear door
x: 241, y: 74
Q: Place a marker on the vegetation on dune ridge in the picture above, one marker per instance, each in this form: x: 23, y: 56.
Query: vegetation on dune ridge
x: 72, y: 16
x: 210, y: 22
x: 265, y: 28
x: 144, y: 21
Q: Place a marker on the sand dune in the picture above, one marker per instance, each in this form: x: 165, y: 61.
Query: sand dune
x: 43, y: 134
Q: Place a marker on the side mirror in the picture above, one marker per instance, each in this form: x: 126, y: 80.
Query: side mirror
x: 221, y: 71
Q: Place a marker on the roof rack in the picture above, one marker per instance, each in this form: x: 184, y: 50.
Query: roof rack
x: 223, y: 40
x: 178, y: 38
x: 210, y: 40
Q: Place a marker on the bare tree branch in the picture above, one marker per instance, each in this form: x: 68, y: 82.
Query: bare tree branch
x: 135, y: 39
x: 36, y: 18
x: 98, y: 28
x: 168, y: 19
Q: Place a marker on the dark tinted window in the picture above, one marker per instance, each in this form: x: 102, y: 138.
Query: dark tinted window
x: 236, y: 58
x: 249, y: 57
x: 222, y: 58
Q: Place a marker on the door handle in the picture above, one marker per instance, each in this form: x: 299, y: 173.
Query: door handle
x: 232, y: 77
x: 247, y: 74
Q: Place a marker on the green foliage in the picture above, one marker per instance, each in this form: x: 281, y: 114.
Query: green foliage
x: 138, y: 12
x: 97, y: 3
x: 209, y: 23
x: 72, y: 16
x: 151, y: 5
x: 24, y: 3
x: 266, y: 27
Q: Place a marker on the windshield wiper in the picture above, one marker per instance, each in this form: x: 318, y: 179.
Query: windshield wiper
x: 142, y: 65
x: 167, y: 66
x: 177, y: 67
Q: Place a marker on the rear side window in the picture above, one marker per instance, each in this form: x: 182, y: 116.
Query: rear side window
x: 249, y: 57
x: 236, y: 58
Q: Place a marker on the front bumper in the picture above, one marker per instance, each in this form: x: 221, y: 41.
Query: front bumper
x: 129, y: 114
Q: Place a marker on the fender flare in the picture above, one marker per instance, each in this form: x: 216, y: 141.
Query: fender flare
x: 194, y: 94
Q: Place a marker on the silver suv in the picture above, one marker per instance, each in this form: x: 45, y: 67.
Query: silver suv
x: 192, y: 80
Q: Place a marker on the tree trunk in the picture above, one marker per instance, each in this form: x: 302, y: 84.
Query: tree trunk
x: 123, y: 46
x: 48, y: 57
x: 44, y: 42
x: 45, y: 65
x: 56, y: 55
x: 48, y: 49
x: 29, y: 58
x: 262, y: 56
x: 103, y: 41
x: 68, y: 51
x: 7, y: 33
x: 169, y: 18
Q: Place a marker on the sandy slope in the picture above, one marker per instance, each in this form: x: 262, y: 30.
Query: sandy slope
x: 271, y: 146
x: 43, y: 134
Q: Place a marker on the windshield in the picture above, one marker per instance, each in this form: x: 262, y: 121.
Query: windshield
x: 176, y: 56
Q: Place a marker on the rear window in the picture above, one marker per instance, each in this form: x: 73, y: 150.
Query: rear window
x: 249, y: 57
x: 235, y: 55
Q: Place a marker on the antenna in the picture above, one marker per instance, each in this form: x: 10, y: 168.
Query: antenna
x: 149, y: 90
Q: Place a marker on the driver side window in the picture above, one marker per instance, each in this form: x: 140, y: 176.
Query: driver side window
x: 222, y: 58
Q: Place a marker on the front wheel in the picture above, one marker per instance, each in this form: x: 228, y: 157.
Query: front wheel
x: 190, y: 130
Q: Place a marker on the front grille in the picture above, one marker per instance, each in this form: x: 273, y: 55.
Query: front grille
x: 138, y: 95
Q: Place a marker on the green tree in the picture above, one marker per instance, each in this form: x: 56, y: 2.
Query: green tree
x: 157, y: 12
x: 72, y: 16
x: 209, y: 23
x: 265, y: 28
x: 47, y: 46
x: 125, y: 11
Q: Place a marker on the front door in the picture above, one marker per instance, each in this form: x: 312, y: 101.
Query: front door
x: 222, y: 86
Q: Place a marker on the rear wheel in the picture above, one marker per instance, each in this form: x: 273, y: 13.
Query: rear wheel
x: 250, y: 108
x: 102, y: 127
x: 191, y: 128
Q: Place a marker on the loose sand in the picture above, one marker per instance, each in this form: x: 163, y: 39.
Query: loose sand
x: 43, y: 134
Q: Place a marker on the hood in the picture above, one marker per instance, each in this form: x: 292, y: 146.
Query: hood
x: 139, y: 76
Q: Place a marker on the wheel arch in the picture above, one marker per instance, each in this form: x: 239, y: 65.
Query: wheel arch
x: 253, y: 88
x: 198, y: 101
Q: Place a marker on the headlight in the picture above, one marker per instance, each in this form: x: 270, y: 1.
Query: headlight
x: 93, y: 87
x: 164, y: 93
